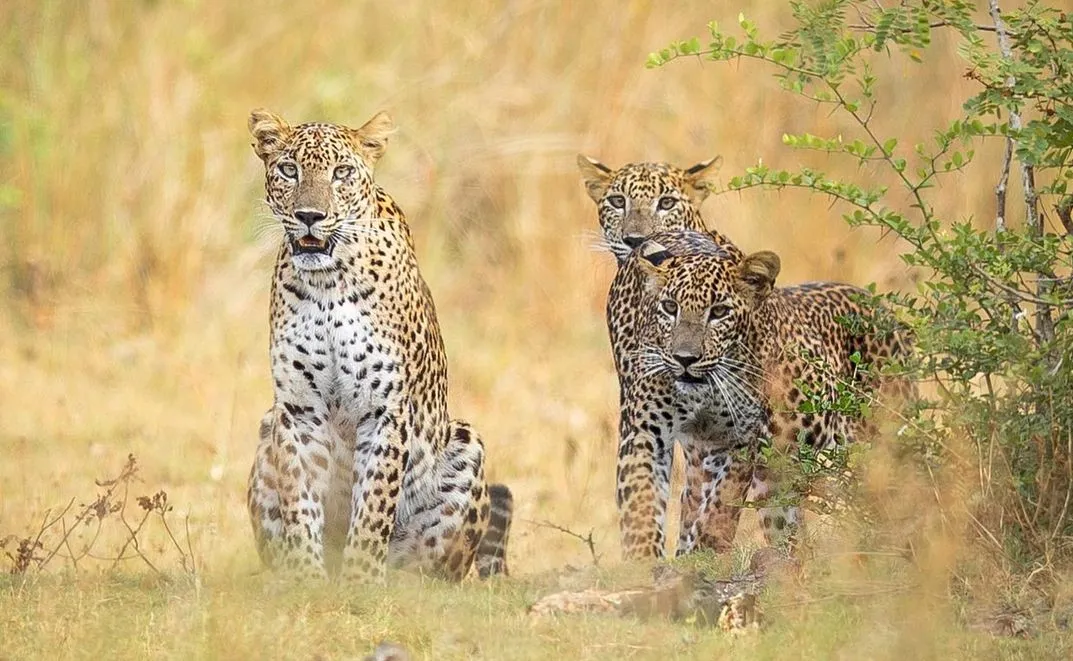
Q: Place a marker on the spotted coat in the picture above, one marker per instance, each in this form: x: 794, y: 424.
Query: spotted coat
x: 633, y: 202
x: 358, y: 465
x: 640, y: 199
x: 713, y: 360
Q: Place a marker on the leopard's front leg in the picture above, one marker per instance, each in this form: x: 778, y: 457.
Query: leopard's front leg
x: 299, y: 473
x: 643, y: 480
x: 379, y: 462
x: 715, y: 488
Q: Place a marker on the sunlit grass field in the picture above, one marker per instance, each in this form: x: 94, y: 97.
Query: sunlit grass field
x: 135, y: 261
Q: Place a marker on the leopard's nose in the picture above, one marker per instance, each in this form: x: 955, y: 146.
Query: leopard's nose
x: 685, y: 359
x: 633, y: 240
x: 310, y: 216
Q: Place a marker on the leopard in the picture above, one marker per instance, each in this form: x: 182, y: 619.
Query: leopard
x: 721, y: 360
x: 358, y: 467
x: 633, y: 202
x: 641, y: 198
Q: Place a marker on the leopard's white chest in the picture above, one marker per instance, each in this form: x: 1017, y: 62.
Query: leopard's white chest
x: 331, y: 351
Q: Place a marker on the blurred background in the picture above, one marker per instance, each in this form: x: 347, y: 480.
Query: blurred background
x: 134, y: 267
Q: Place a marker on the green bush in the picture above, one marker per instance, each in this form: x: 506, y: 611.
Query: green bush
x: 991, y: 317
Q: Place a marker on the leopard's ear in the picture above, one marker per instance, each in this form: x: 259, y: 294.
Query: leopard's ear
x: 371, y: 138
x: 596, y: 175
x: 700, y: 178
x: 652, y: 257
x: 270, y: 133
x: 757, y: 273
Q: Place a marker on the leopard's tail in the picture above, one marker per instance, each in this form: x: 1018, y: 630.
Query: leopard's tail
x: 492, y: 553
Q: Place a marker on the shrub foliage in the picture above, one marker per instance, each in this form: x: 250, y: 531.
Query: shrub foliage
x: 992, y: 315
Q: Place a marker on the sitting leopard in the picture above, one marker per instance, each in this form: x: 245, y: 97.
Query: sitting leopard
x: 359, y: 466
x: 713, y: 359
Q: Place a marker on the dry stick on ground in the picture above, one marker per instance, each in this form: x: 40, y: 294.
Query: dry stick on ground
x: 99, y: 508
x: 587, y: 539
x: 25, y: 551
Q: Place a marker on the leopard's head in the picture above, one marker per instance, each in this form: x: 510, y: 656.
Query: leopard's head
x: 698, y: 307
x: 640, y: 199
x: 319, y: 182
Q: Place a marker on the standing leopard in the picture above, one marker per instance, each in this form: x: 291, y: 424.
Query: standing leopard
x: 359, y: 466
x: 714, y: 361
x: 633, y: 202
x: 640, y: 199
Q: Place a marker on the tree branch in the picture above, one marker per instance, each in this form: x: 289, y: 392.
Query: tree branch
x: 1044, y: 320
x: 1000, y: 188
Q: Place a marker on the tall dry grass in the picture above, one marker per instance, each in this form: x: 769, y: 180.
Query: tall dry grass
x: 134, y: 279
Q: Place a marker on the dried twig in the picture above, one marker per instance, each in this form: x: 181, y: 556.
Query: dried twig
x: 36, y: 551
x: 1012, y: 291
x: 587, y: 539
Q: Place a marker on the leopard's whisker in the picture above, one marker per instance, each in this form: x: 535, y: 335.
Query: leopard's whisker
x: 714, y: 379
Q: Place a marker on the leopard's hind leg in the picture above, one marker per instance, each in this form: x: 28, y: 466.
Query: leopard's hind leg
x: 262, y: 497
x: 444, y: 509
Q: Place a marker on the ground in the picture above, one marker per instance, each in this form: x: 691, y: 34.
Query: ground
x: 229, y: 617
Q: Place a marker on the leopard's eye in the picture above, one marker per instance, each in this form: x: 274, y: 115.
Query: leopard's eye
x: 669, y: 306
x: 717, y: 312
x: 288, y: 169
x: 667, y: 202
x: 343, y: 172
x: 617, y: 201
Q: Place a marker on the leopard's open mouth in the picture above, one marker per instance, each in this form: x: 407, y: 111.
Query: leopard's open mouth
x: 309, y: 244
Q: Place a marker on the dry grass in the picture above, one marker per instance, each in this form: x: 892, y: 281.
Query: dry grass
x: 133, y: 290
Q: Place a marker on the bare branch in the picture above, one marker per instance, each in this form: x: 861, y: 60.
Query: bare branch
x: 1012, y: 291
x: 868, y: 27
x: 1000, y: 189
x: 1064, y: 209
x: 587, y: 539
x: 1044, y: 320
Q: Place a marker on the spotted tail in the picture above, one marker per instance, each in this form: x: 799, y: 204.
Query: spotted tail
x: 492, y: 553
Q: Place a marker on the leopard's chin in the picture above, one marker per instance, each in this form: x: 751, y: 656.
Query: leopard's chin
x: 689, y: 384
x: 313, y: 261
